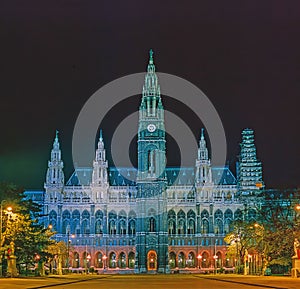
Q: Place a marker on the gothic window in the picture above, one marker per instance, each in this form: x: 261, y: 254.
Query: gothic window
x: 218, y: 214
x: 191, y: 226
x: 66, y: 215
x: 238, y: 215
x: 228, y: 221
x: 181, y: 227
x: 53, y: 219
x: 85, y: 225
x: 98, y: 227
x: 112, y: 227
x: 99, y: 214
x: 251, y: 215
x: 181, y: 222
x: 75, y: 228
x: 218, y: 226
x: 228, y: 214
x: 172, y: 227
x: 65, y: 221
x: 152, y: 224
x: 191, y: 221
x: 122, y: 227
x: 205, y: 226
x: 204, y: 214
x: 171, y: 222
x: 131, y: 227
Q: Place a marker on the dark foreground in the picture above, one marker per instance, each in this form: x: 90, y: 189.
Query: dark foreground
x: 152, y: 281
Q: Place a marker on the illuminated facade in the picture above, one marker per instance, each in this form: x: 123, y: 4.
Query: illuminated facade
x: 166, y: 219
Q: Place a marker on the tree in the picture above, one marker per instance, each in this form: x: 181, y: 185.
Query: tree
x: 271, y: 235
x: 21, y: 227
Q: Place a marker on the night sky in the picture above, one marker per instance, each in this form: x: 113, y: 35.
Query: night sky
x: 244, y: 55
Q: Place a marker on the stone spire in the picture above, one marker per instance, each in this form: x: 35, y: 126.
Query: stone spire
x: 100, y: 165
x: 55, y: 175
x: 151, y: 101
x: 203, y: 166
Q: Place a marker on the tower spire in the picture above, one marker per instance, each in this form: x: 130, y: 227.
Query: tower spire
x: 55, y: 173
x: 151, y: 66
x: 100, y: 164
x: 203, y: 167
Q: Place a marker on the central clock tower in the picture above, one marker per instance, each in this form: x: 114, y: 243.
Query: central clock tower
x: 152, y: 233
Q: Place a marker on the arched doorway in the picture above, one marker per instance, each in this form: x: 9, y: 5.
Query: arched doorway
x: 172, y: 260
x: 152, y: 260
x: 99, y: 260
x: 131, y: 260
x: 112, y: 260
x: 190, y: 262
x: 75, y: 260
x: 122, y: 260
x: 181, y: 260
x: 205, y: 260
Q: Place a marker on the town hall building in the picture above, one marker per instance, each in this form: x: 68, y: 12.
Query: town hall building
x: 166, y: 219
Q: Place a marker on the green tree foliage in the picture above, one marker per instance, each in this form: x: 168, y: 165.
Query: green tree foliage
x: 20, y: 226
x: 271, y: 236
x: 280, y: 226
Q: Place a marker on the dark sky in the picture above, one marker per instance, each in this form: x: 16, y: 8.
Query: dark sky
x: 244, y: 55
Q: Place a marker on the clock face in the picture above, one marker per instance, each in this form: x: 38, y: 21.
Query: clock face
x: 151, y: 127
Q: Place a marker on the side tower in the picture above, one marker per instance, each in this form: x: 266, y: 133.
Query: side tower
x: 203, y: 166
x: 99, y: 176
x: 54, y: 185
x: 55, y: 176
x: 249, y: 168
x: 203, y: 177
x: 152, y: 233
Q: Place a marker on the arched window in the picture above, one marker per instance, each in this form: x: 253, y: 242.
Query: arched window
x: 204, y: 214
x: 53, y: 220
x: 181, y: 227
x: 122, y: 227
x: 112, y: 227
x: 75, y: 228
x: 85, y: 224
x: 191, y: 222
x: 131, y: 227
x: 98, y: 227
x: 238, y: 215
x: 205, y: 226
x: 66, y: 216
x: 152, y: 224
x: 181, y: 222
x: 171, y: 227
x: 191, y: 226
x: 251, y: 215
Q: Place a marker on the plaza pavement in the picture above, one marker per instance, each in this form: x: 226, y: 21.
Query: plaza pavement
x: 151, y: 281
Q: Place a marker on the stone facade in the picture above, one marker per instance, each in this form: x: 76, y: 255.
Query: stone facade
x: 166, y: 219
